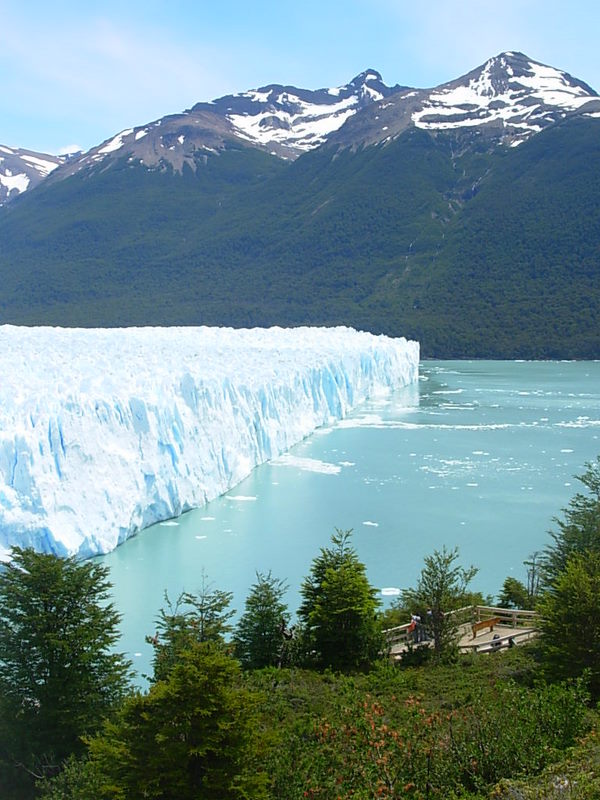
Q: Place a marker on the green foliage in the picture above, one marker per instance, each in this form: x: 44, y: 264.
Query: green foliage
x: 570, y: 620
x: 513, y: 594
x: 339, y: 608
x: 79, y: 779
x: 575, y: 776
x: 187, y: 737
x: 203, y: 617
x: 433, y: 236
x: 442, y: 587
x: 58, y: 674
x: 373, y: 737
x: 579, y: 530
x: 394, y: 615
x: 259, y: 636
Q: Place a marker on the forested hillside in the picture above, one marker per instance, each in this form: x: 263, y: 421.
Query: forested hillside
x: 476, y: 252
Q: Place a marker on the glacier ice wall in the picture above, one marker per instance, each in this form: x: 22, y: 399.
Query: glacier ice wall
x: 104, y: 432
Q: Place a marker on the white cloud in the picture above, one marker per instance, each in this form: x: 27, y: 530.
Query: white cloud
x: 88, y: 70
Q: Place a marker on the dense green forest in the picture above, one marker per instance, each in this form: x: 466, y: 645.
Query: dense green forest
x: 475, y: 252
x: 269, y: 709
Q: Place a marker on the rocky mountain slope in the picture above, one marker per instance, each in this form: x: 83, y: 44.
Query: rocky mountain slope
x: 21, y: 170
x: 507, y: 99
x: 281, y: 120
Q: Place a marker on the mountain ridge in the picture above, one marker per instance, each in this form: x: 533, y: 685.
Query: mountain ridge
x: 506, y: 99
x: 21, y: 169
x: 479, y: 240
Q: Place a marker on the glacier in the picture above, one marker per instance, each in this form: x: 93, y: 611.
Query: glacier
x: 104, y: 432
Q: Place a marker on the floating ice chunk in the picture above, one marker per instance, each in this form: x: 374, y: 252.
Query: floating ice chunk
x: 307, y: 464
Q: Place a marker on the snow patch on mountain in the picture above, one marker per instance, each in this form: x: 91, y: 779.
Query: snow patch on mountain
x: 296, y: 120
x: 510, y: 90
x: 22, y: 169
x: 116, y: 143
x: 44, y: 167
x: 18, y: 183
x: 104, y: 432
x: 304, y: 127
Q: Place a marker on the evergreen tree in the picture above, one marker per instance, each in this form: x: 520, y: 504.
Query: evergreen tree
x: 570, y: 620
x: 79, y: 779
x: 58, y: 672
x: 203, y: 617
x: 260, y: 634
x: 187, y: 738
x: 339, y: 608
x: 513, y: 594
x: 442, y: 587
x: 579, y: 530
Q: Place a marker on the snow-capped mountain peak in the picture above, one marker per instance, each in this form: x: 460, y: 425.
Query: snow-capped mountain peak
x: 506, y: 100
x: 283, y: 120
x: 509, y: 91
x: 22, y: 169
x: 369, y: 85
x: 291, y: 121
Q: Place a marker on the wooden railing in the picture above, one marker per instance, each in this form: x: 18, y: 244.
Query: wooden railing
x: 397, y: 635
x: 515, y: 617
x: 512, y: 617
x: 515, y: 625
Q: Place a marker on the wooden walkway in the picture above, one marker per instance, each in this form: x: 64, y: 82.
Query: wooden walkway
x: 515, y: 625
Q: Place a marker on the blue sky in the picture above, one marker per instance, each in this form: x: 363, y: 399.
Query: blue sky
x: 75, y: 73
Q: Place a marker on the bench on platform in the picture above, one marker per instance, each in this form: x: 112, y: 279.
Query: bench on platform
x: 484, y: 623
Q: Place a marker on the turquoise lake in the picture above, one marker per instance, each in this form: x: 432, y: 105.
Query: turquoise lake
x: 478, y: 455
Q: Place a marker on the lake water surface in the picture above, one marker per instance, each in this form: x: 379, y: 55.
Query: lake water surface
x: 479, y: 455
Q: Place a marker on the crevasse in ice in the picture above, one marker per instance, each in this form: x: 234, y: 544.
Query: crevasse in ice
x: 106, y: 431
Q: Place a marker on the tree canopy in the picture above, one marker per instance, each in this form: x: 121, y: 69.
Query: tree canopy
x: 570, y: 620
x: 58, y: 672
x: 185, y: 739
x: 339, y: 607
x: 192, y: 618
x: 441, y: 587
x: 259, y: 635
x: 579, y: 529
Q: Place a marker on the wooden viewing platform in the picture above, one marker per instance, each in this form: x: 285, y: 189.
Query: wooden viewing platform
x: 505, y: 624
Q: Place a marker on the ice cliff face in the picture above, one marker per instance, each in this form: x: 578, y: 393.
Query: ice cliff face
x: 104, y: 432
